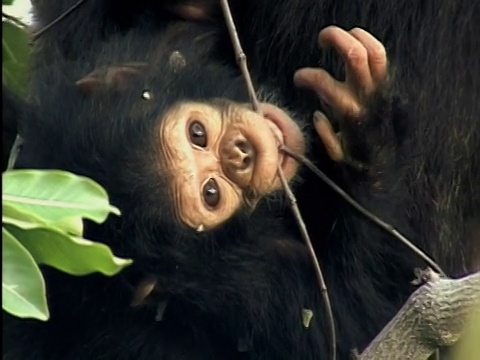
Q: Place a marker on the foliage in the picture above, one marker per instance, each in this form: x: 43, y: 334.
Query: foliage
x: 42, y: 224
x: 43, y: 211
x: 16, y: 55
x: 23, y: 288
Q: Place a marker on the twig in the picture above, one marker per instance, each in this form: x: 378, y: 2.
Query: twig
x: 17, y: 145
x: 241, y: 57
x: 55, y: 21
x: 318, y: 270
x: 242, y: 63
x: 14, y: 20
x: 375, y: 219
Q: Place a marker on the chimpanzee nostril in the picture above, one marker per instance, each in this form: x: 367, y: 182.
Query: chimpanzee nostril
x: 242, y: 154
x: 244, y: 146
x: 238, y: 158
x: 247, y: 161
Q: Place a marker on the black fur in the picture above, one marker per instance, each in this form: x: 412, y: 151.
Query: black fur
x: 243, y: 287
x: 433, y: 49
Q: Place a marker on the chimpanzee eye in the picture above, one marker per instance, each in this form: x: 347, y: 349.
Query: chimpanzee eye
x: 211, y: 193
x: 197, y: 133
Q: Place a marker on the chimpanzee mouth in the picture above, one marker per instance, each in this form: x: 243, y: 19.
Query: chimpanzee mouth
x: 278, y: 133
x: 286, y: 130
x: 287, y: 133
x: 280, y: 139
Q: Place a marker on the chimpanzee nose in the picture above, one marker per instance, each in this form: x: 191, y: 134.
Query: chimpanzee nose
x: 238, y: 157
x: 240, y: 154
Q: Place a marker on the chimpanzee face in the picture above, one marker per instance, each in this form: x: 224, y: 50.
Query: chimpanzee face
x: 222, y: 156
x: 217, y: 156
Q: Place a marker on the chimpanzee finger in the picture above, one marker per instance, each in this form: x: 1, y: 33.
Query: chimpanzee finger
x: 192, y: 10
x: 354, y: 55
x: 334, y: 93
x: 377, y: 55
x: 328, y: 136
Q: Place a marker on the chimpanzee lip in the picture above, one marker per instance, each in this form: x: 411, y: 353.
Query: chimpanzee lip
x: 285, y: 129
x: 286, y: 132
x: 279, y: 137
x: 277, y: 131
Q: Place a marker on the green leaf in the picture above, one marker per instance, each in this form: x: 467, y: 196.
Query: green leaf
x: 16, y: 58
x: 71, y: 225
x: 7, y: 2
x: 23, y: 287
x: 54, y: 195
x: 73, y: 255
x: 12, y: 215
x: 22, y: 219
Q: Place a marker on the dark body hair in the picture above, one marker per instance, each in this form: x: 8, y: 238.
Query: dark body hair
x: 239, y: 292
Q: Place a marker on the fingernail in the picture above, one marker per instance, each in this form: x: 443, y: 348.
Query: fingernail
x: 318, y: 115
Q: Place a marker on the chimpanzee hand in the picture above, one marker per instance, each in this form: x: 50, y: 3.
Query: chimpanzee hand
x: 353, y: 102
x: 193, y: 10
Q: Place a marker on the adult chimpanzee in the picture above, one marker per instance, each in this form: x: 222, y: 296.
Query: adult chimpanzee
x: 281, y: 36
x: 234, y: 290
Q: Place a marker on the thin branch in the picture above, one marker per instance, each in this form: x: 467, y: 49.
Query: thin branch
x: 375, y: 219
x: 14, y: 151
x: 321, y: 281
x: 55, y: 21
x: 14, y: 20
x: 242, y: 63
x: 241, y: 57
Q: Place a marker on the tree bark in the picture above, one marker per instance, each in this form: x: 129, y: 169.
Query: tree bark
x: 433, y: 316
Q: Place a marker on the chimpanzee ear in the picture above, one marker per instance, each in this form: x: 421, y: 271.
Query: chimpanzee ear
x: 112, y: 78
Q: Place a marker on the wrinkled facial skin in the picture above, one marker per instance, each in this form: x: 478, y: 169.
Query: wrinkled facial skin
x: 219, y: 155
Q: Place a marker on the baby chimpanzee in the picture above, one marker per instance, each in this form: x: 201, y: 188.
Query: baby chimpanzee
x: 136, y: 106
x: 189, y: 171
